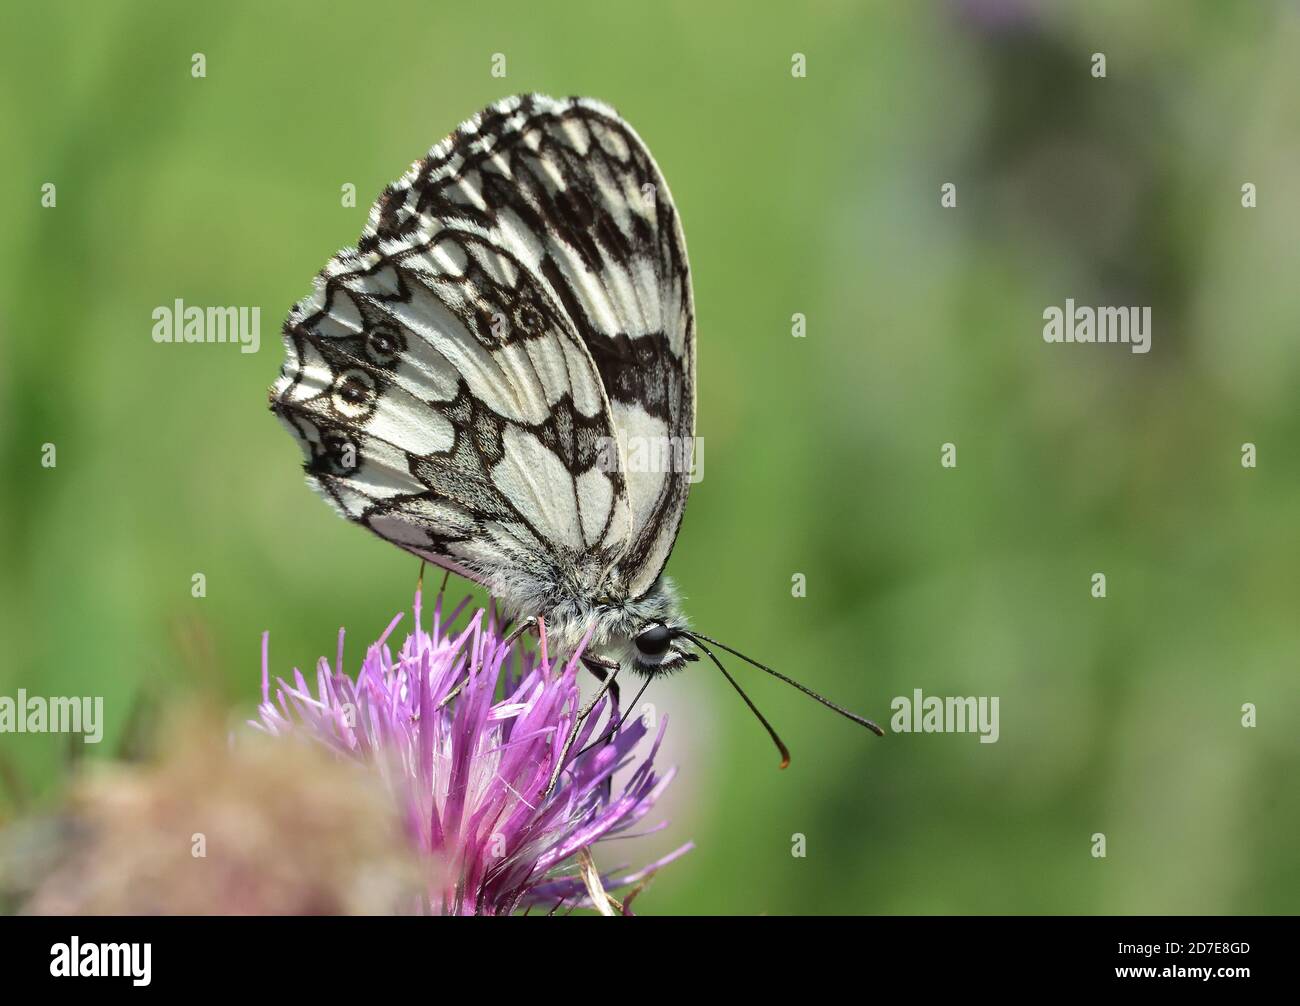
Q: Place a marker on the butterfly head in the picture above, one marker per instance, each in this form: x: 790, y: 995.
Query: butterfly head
x: 650, y: 636
x: 645, y: 634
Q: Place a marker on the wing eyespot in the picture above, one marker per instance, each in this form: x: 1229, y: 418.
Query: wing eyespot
x: 384, y: 345
x: 353, y: 394
x: 528, y: 319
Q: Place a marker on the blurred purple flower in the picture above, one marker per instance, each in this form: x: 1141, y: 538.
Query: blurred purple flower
x: 999, y: 16
x: 471, y: 771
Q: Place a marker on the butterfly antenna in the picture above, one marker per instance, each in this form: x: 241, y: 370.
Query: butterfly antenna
x: 860, y: 720
x: 780, y: 745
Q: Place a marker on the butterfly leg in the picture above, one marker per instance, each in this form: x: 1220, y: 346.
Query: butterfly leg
x: 419, y: 583
x: 453, y: 693
x: 519, y: 630
x: 617, y: 725
x: 600, y: 669
x: 605, y: 686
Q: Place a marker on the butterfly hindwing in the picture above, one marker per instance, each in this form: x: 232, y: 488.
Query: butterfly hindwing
x: 519, y: 301
x: 465, y: 440
x: 574, y: 189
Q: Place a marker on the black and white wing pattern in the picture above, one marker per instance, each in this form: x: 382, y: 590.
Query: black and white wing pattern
x: 519, y: 300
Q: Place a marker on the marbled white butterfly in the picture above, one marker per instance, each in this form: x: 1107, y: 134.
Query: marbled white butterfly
x: 518, y: 302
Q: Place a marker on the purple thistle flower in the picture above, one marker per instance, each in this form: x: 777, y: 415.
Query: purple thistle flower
x: 470, y: 771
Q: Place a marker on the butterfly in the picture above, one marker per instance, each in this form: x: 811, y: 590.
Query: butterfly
x: 466, y: 381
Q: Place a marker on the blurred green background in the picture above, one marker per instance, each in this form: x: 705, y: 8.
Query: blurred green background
x: 818, y: 196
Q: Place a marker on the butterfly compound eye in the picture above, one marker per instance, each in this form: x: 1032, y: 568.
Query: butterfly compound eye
x: 653, y: 642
